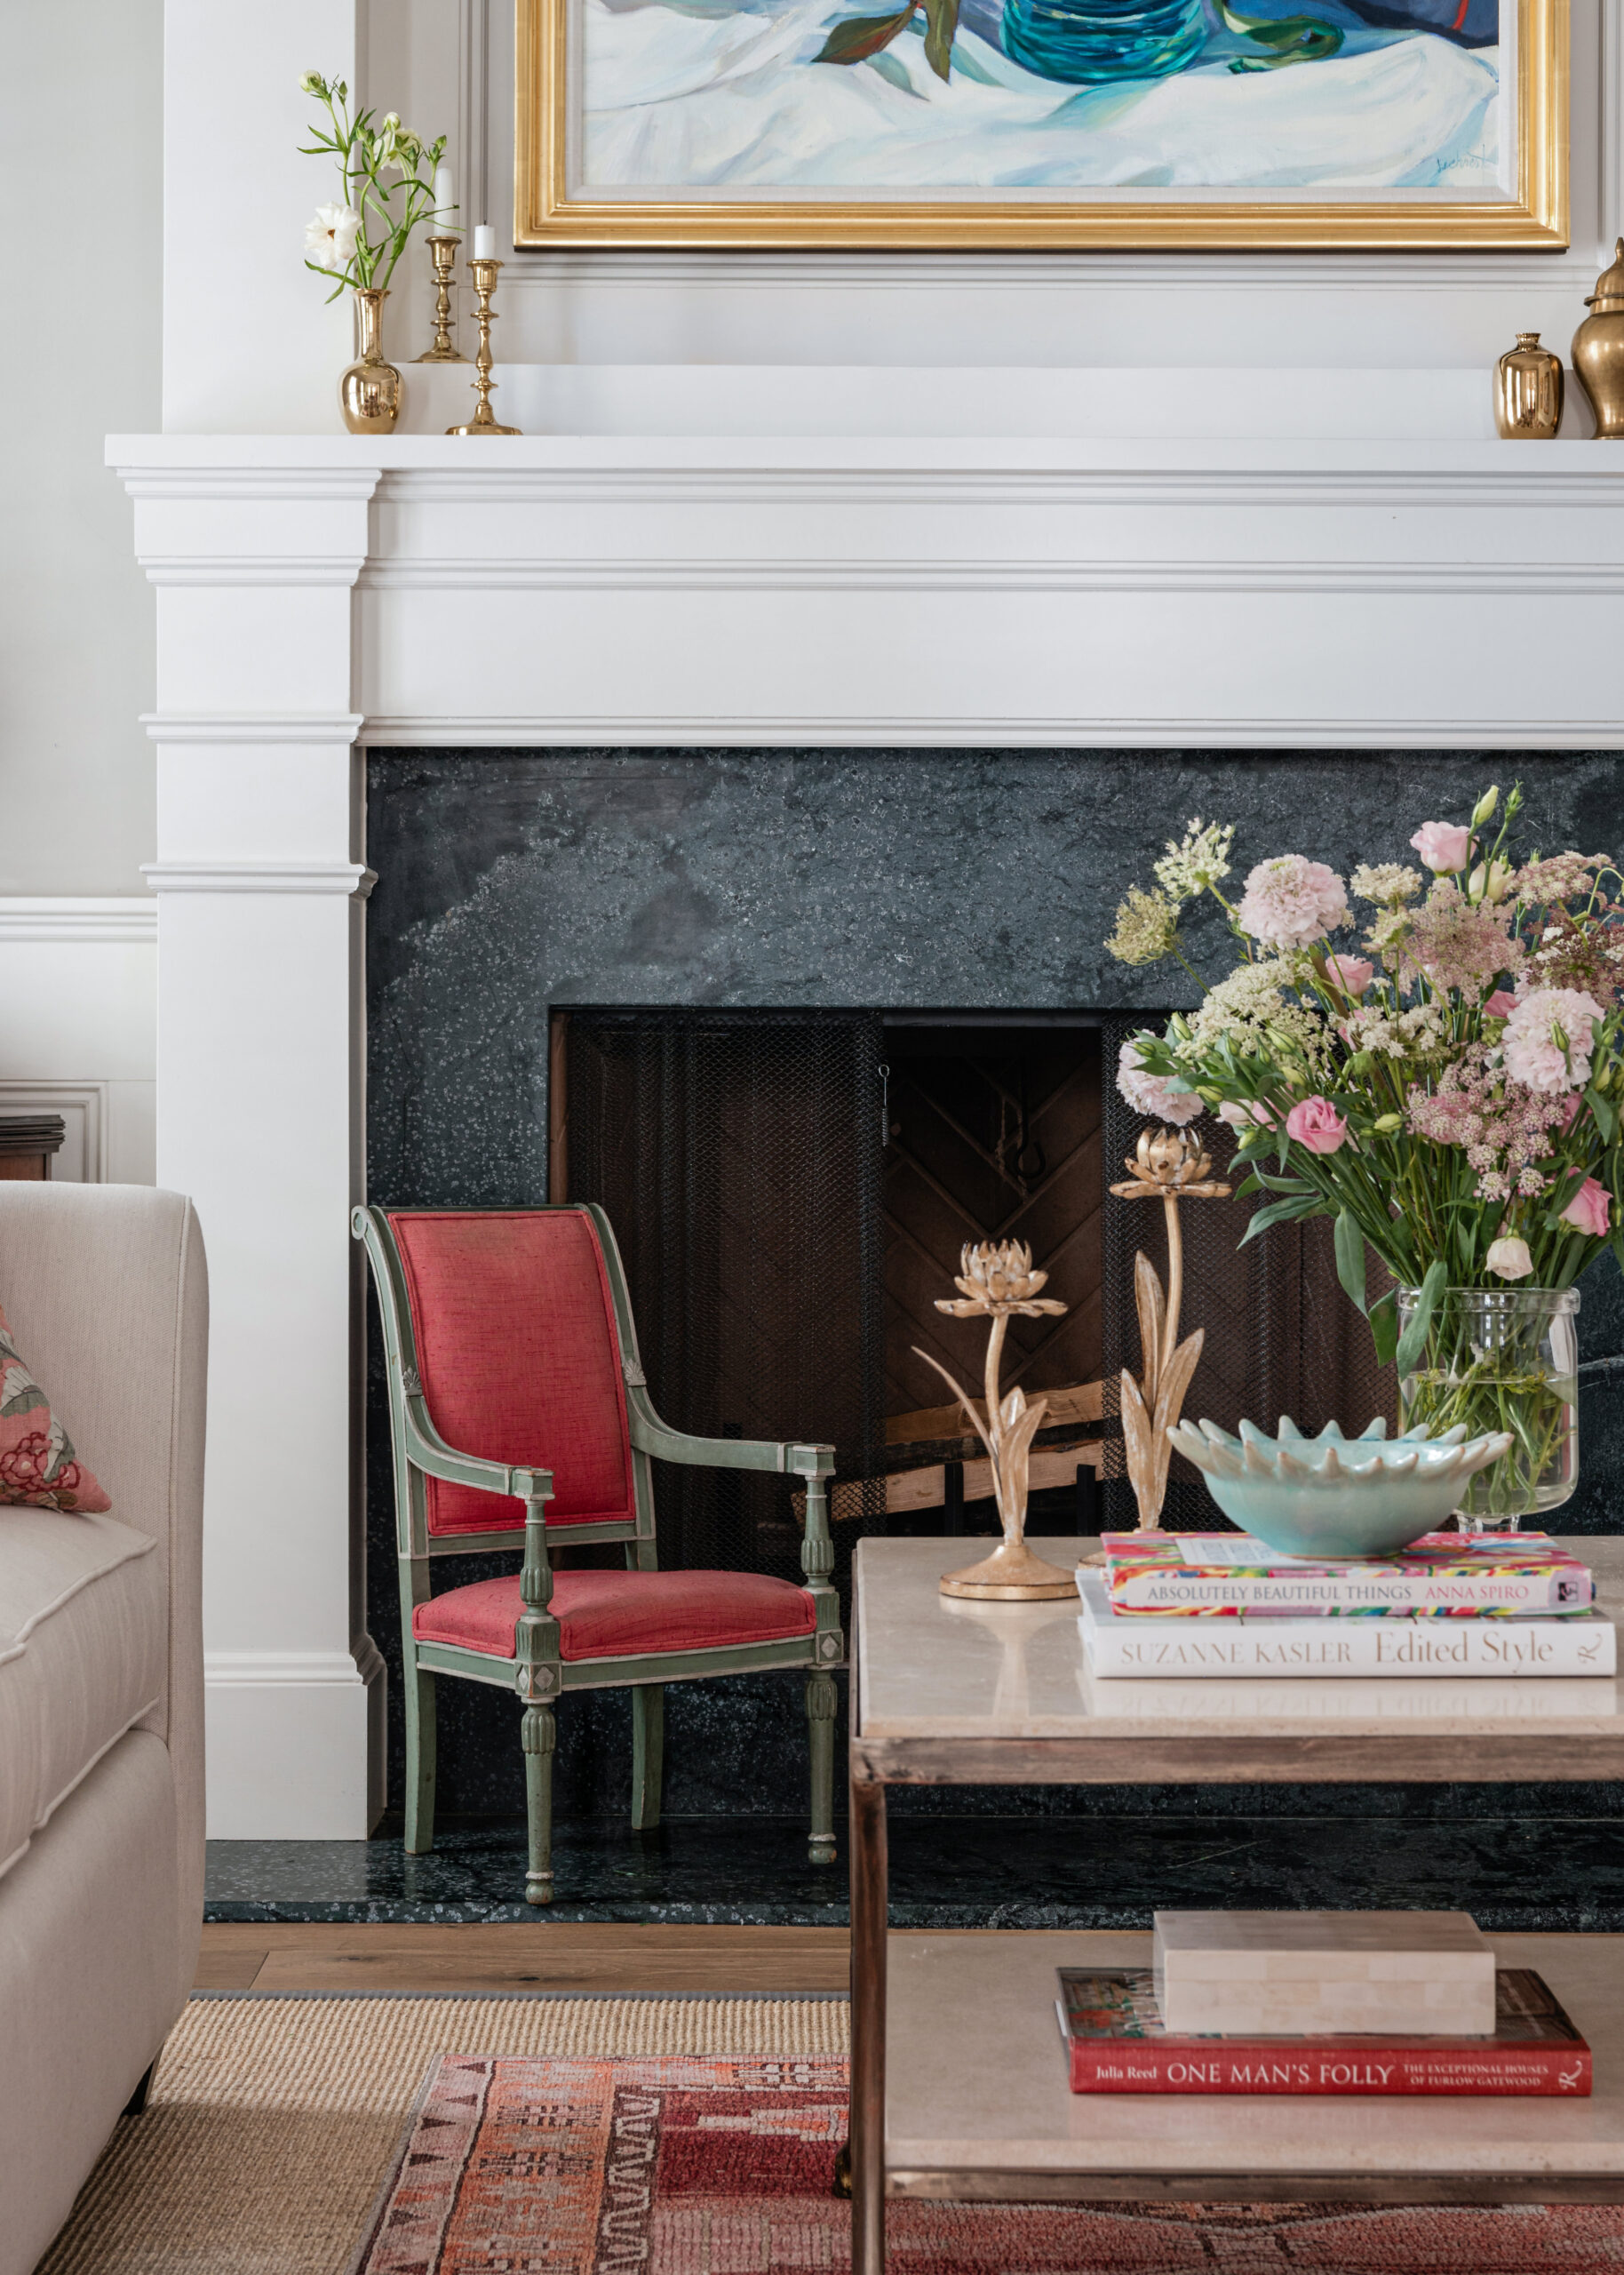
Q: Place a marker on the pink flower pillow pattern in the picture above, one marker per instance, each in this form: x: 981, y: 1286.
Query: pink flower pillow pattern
x: 38, y: 1466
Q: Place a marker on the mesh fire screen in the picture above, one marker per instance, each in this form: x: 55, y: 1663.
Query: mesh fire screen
x: 1281, y: 1335
x: 738, y: 1156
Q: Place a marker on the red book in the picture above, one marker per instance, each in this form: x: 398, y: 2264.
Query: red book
x: 1116, y: 2044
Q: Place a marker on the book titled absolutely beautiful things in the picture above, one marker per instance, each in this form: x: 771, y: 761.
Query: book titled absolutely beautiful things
x: 1215, y: 1575
x: 1168, y: 1644
x: 1115, y: 2044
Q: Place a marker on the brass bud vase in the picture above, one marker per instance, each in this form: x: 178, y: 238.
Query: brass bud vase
x: 370, y: 392
x: 1598, y: 351
x: 1528, y: 392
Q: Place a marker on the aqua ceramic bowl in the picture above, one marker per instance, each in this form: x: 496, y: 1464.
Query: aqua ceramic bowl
x: 1332, y: 1496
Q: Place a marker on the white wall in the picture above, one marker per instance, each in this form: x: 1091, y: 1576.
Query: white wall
x: 80, y: 125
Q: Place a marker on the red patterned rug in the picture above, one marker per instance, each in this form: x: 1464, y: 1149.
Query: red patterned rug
x: 560, y: 2166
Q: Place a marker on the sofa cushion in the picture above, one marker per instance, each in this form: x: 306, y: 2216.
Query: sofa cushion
x: 38, y: 1466
x: 84, y: 1634
x: 613, y: 1614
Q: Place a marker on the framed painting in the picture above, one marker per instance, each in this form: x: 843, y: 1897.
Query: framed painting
x: 1043, y: 123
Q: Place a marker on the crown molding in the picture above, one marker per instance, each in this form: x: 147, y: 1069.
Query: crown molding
x: 453, y: 732
x: 67, y: 919
x: 252, y: 726
x: 350, y: 878
x: 250, y: 569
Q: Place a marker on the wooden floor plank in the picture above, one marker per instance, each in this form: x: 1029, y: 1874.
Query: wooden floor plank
x: 521, y: 1957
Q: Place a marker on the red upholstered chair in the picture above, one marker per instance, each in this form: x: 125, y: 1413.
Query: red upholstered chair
x: 517, y: 1406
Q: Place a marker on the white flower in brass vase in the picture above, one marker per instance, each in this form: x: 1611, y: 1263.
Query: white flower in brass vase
x: 330, y: 235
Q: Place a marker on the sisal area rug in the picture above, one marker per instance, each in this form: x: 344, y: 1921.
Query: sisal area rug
x: 656, y: 2136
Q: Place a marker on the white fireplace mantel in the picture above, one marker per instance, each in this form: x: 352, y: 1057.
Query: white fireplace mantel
x: 933, y: 586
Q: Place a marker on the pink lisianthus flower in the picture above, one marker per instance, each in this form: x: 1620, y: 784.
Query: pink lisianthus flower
x: 1316, y: 1123
x: 1149, y: 1093
x: 1548, y: 1038
x: 1588, y: 1207
x: 1500, y: 1005
x: 1444, y: 846
x: 1291, y: 902
x: 1352, y: 974
x: 1245, y: 1115
x: 1569, y: 1112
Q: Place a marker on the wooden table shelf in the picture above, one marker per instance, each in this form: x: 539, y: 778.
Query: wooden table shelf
x: 958, y: 2079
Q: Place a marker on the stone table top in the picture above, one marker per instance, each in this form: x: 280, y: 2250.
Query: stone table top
x: 936, y: 1666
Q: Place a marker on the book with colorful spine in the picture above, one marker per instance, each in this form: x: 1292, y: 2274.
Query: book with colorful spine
x: 1442, y: 1576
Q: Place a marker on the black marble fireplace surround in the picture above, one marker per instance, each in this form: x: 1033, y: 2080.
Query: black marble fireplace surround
x: 513, y: 882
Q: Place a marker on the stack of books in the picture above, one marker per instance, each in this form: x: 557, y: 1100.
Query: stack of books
x: 1318, y: 2002
x: 1217, y: 1604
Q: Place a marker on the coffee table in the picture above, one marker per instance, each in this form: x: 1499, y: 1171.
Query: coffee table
x: 958, y: 2079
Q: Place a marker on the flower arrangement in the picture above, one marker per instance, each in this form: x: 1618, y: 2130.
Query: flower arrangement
x: 358, y: 239
x: 1452, y: 1098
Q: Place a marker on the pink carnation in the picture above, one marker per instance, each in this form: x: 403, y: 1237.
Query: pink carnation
x: 1588, y: 1207
x: 1246, y: 1116
x: 1444, y: 846
x: 1316, y: 1123
x: 1352, y: 974
x: 1291, y: 902
x: 1549, y: 1036
x: 1151, y: 1094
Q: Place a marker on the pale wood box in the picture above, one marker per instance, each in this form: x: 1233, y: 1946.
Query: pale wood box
x: 1266, y: 1973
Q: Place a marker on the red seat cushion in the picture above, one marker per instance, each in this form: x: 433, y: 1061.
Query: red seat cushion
x: 617, y: 1615
x: 519, y: 1357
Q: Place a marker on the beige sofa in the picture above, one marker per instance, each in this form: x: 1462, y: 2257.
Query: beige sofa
x: 102, y: 1825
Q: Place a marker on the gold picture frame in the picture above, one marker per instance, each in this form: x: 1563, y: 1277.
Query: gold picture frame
x: 549, y: 211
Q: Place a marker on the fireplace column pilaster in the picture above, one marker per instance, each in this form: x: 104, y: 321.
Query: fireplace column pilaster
x: 260, y: 888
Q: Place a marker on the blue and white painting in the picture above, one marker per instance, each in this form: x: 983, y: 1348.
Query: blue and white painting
x: 739, y: 98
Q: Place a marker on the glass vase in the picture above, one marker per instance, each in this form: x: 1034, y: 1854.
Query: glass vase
x: 1501, y: 1358
x: 1081, y: 40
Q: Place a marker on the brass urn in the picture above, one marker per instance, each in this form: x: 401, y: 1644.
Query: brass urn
x: 370, y: 392
x: 1528, y: 391
x: 1598, y: 351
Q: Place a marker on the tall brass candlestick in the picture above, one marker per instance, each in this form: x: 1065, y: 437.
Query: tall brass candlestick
x: 484, y: 419
x: 443, y: 251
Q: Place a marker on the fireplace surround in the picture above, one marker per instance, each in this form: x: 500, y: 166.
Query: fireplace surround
x: 773, y: 628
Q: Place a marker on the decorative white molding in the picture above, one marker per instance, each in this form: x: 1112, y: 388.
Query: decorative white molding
x: 317, y: 484
x: 252, y: 726
x: 1003, y: 730
x: 254, y: 1669
x: 249, y: 568
x: 90, y: 1100
x: 347, y: 877
x: 781, y: 573
x: 65, y: 918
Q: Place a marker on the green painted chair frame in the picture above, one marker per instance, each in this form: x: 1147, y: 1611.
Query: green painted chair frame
x: 536, y: 1671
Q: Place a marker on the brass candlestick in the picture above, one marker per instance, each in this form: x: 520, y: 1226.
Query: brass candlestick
x: 484, y: 421
x: 1168, y: 1166
x: 444, y: 252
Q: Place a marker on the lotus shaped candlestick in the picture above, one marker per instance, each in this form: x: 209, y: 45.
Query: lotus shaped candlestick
x: 1335, y: 1496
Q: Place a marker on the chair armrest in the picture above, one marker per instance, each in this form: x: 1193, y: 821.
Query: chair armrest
x: 650, y: 1435
x: 428, y: 1451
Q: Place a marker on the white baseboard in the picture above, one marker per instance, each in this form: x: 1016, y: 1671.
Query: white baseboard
x: 295, y: 1744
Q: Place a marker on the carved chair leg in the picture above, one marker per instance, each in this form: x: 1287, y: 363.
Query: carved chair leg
x: 822, y: 1700
x: 538, y: 1735
x: 648, y: 1754
x: 420, y: 1746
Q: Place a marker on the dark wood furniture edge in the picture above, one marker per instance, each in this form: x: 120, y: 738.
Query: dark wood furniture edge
x: 1491, y: 1758
x: 972, y: 2184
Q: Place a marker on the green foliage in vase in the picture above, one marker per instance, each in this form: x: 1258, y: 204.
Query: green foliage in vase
x: 387, y: 188
x: 1452, y: 1096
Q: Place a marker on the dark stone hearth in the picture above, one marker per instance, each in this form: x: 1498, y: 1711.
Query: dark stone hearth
x: 511, y: 882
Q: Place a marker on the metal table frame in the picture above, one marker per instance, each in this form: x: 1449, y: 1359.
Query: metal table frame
x: 875, y: 1763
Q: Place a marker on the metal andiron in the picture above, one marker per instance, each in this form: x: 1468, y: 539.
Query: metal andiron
x: 1169, y: 1166
x: 996, y: 1281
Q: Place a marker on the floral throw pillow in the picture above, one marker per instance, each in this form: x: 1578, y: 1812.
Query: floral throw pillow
x: 38, y: 1466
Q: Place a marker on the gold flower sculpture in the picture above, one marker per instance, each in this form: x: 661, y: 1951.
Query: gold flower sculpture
x: 997, y: 1282
x: 1168, y: 1166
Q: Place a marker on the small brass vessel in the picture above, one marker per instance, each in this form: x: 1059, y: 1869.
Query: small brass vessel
x: 370, y: 392
x: 1528, y: 392
x: 1598, y: 351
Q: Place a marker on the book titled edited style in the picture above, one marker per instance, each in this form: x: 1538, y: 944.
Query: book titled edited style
x: 1115, y: 2043
x: 1170, y: 1644
x: 1442, y: 1576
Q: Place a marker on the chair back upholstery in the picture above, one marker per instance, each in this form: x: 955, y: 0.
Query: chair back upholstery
x: 518, y: 1354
